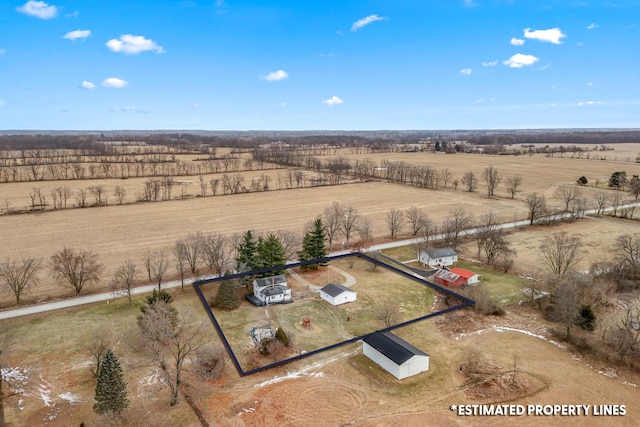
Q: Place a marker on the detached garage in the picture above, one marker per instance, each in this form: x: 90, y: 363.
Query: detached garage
x: 337, y: 294
x: 395, y: 355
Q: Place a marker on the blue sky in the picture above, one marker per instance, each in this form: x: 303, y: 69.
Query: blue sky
x: 319, y: 65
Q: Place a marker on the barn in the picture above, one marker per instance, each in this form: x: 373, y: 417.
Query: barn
x: 395, y: 355
x: 455, y: 278
x: 337, y: 294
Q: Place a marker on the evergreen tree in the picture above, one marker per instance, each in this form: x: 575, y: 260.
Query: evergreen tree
x: 271, y: 254
x: 111, y: 390
x: 248, y: 258
x: 313, y: 245
x: 227, y: 296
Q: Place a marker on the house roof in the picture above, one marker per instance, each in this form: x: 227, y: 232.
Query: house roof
x: 273, y: 280
x: 393, y: 347
x: 446, y: 275
x: 274, y: 290
x: 335, y: 290
x: 463, y: 273
x: 440, y: 253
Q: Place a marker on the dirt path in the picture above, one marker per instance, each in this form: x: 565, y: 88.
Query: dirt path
x: 349, y: 279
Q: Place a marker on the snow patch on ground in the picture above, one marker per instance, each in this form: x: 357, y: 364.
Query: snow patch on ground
x: 306, y: 371
x: 71, y: 397
x: 550, y: 341
x: 84, y: 364
x: 44, y: 389
x: 148, y: 385
x: 16, y: 377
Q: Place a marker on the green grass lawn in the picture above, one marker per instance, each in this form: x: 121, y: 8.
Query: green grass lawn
x: 503, y: 287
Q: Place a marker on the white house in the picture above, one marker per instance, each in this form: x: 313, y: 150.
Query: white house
x: 272, y: 290
x: 337, y: 294
x: 438, y: 257
x: 395, y: 355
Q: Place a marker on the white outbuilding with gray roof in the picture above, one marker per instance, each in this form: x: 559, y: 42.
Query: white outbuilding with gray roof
x: 337, y: 294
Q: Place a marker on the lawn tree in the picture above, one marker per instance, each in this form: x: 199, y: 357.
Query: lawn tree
x: 566, y: 299
x: 168, y: 339
x: 395, y: 222
x: 625, y: 335
x: 124, y: 278
x: 179, y: 252
x: 271, y: 253
x: 97, y: 348
x: 537, y: 205
x: 492, y: 177
x: 215, y: 252
x: 634, y: 187
x: 427, y: 231
x: 313, y: 245
x: 513, y: 184
x: 333, y: 217
x: 470, y: 181
x: 146, y: 261
x: 349, y: 223
x: 111, y: 389
x: 247, y: 258
x: 159, y: 265
x: 227, y: 296
x: 446, y: 176
x: 560, y: 253
x: 389, y: 314
x: 491, y: 241
x: 18, y: 275
x: 618, y: 180
x: 456, y: 221
x: 416, y: 217
x: 627, y: 250
x: 75, y: 268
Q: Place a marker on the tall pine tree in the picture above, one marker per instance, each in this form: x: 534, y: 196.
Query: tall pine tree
x: 271, y: 254
x: 248, y: 258
x: 111, y: 390
x: 227, y: 296
x: 313, y: 245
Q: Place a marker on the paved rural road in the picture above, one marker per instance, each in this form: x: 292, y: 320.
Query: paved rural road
x: 106, y: 296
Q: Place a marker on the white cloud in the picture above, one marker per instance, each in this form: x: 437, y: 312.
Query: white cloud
x: 589, y: 84
x: 589, y: 103
x: 469, y: 3
x: 114, y: 82
x: 592, y: 26
x: 39, y: 9
x: 88, y: 85
x: 516, y: 42
x: 334, y: 100
x: 2, y: 51
x: 274, y: 76
x: 77, y: 34
x: 466, y: 71
x: 482, y: 100
x: 365, y: 21
x: 135, y: 109
x: 133, y: 45
x: 519, y: 60
x: 552, y: 35
x: 282, y: 104
x: 490, y: 64
x: 2, y: 102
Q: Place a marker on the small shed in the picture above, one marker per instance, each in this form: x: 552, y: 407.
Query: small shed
x: 395, y: 355
x: 470, y: 277
x: 455, y: 278
x: 438, y: 257
x: 337, y: 294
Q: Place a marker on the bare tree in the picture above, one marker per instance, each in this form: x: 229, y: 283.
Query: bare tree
x: 203, y: 186
x: 120, y: 194
x: 159, y: 266
x: 75, y: 268
x: 19, y: 275
x: 99, y: 192
x: 537, y: 205
x: 470, y: 181
x: 349, y: 222
x: 333, y: 216
x: 446, y: 176
x: 601, y: 199
x: 291, y: 243
x: 216, y: 252
x: 193, y: 245
x: 97, y: 348
x: 456, y: 221
x: 616, y: 200
x: 492, y: 177
x: 146, y: 261
x: 490, y: 239
x: 169, y: 340
x: 389, y: 314
x: 395, y: 222
x: 634, y: 187
x: 81, y: 198
x: 627, y: 250
x: 180, y: 253
x: 560, y: 253
x: 124, y: 279
x: 416, y: 217
x: 566, y: 303
x: 513, y: 184
x: 365, y: 230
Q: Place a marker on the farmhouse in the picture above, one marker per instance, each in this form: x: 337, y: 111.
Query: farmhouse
x: 270, y: 290
x: 337, y: 294
x: 455, y: 278
x: 438, y: 257
x: 395, y: 355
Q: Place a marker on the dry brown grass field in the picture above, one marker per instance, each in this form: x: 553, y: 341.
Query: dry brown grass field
x: 295, y: 395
